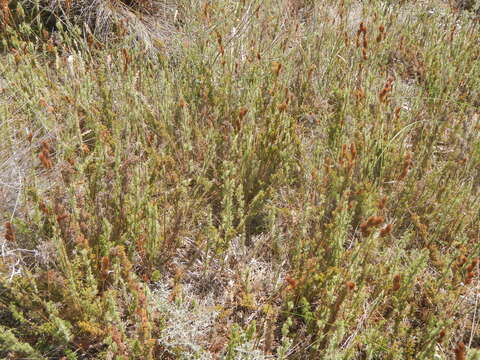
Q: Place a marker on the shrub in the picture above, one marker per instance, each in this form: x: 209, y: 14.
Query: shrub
x: 295, y: 181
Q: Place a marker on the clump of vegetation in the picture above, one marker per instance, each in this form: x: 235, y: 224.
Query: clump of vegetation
x: 150, y: 23
x: 290, y: 182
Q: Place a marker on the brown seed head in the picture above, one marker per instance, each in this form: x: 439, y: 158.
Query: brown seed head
x: 242, y: 112
x: 441, y: 336
x: 407, y: 164
x: 45, y: 34
x: 362, y: 28
x: 375, y: 220
x: 353, y: 150
x: 105, y: 266
x: 360, y: 93
x: 469, y: 278
x: 397, y: 111
x: 9, y: 232
x: 397, y: 282
x: 282, y: 107
x: 350, y: 285
x: 462, y: 259
x: 46, y: 146
x: 364, y: 54
x: 219, y: 37
x: 17, y: 58
x: 291, y: 281
x: 471, y: 266
x: 45, y: 160
x: 81, y: 241
x: 460, y: 351
x: 386, y: 230
x: 276, y: 67
x: 62, y: 217
x: 381, y: 203
x: 364, y: 228
x: 43, y: 208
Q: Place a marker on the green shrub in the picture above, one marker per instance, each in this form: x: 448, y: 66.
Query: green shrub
x: 302, y: 179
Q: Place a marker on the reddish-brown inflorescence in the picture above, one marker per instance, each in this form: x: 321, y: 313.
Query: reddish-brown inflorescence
x: 407, y: 164
x: 452, y: 33
x: 242, y: 112
x: 362, y: 28
x: 462, y: 260
x: 105, y: 267
x: 43, y: 208
x: 364, y: 229
x: 5, y: 13
x: 460, y: 351
x: 362, y: 32
x: 375, y: 221
x: 359, y: 94
x: 371, y: 222
x: 472, y: 265
x: 44, y: 155
x: 350, y: 285
x: 291, y: 281
x: 220, y: 43
x: 397, y: 112
x: 441, y: 336
x: 364, y: 54
x: 397, y: 282
x: 381, y: 203
x: 127, y: 59
x: 343, y: 155
x: 471, y: 271
x: 469, y: 277
x: 386, y: 91
x: 282, y: 107
x: 346, y: 39
x: 62, y: 217
x: 9, y: 232
x: 386, y: 230
x: 353, y: 150
x: 381, y: 33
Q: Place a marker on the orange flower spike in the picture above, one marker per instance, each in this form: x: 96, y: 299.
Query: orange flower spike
x: 350, y: 285
x: 353, y: 150
x: 10, y: 232
x: 397, y: 282
x: 381, y: 203
x: 291, y: 281
x: 460, y: 351
x: 374, y: 221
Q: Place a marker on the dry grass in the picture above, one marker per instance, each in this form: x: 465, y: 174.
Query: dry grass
x: 151, y: 23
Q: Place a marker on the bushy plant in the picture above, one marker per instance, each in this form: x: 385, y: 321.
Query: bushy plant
x: 301, y: 179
